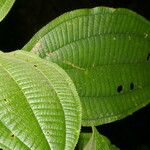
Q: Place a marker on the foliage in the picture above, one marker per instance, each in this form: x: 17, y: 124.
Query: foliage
x: 104, y: 51
x: 97, y: 59
x: 39, y: 105
x: 5, y: 6
x: 94, y: 141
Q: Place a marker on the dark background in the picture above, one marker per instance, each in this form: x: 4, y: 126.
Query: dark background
x: 27, y: 17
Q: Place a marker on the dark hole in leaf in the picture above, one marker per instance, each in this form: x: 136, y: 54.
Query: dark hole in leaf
x: 5, y: 100
x: 1, y: 149
x: 131, y: 86
x: 12, y: 135
x: 119, y: 88
x: 35, y: 65
x: 148, y: 56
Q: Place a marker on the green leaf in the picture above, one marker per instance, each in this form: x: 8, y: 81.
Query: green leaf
x: 39, y: 106
x: 5, y: 6
x: 95, y: 142
x: 106, y: 52
x: 83, y: 140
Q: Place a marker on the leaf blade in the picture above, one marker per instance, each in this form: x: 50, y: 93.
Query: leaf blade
x: 5, y: 6
x: 47, y: 117
x: 95, y: 141
x: 101, y: 49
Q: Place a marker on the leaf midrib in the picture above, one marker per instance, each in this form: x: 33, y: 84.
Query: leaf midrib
x: 34, y: 61
x: 122, y: 35
x: 26, y: 101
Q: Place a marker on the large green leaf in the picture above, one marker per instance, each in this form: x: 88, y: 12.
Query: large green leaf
x: 5, y: 6
x: 39, y: 106
x: 95, y: 141
x: 106, y: 52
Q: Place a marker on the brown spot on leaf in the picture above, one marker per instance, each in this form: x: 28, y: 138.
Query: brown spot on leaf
x: 37, y: 46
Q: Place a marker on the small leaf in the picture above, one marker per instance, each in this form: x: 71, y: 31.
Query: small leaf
x: 5, y: 6
x: 105, y: 51
x: 39, y: 106
x: 94, y: 141
x: 83, y: 140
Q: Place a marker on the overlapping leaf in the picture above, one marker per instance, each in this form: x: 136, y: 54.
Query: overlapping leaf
x: 39, y: 106
x: 94, y: 141
x: 83, y: 140
x: 5, y: 6
x: 99, y: 142
x: 106, y: 52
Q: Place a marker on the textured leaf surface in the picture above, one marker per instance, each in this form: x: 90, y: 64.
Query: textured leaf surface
x: 39, y: 106
x: 106, y: 52
x: 5, y: 6
x: 99, y: 142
